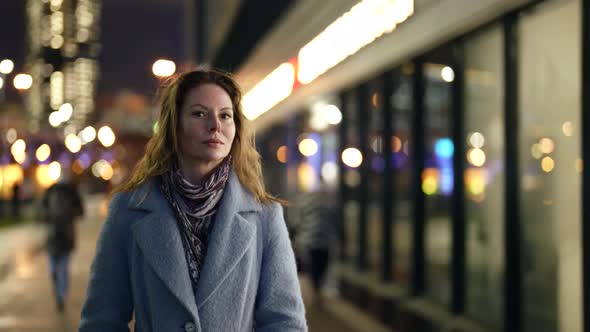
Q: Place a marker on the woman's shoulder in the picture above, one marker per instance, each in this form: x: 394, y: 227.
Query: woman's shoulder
x: 132, y: 197
x: 271, y: 218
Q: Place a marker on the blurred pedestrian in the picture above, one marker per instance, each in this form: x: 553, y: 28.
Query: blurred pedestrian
x: 15, y: 200
x: 61, y: 205
x: 313, y: 221
x: 193, y: 240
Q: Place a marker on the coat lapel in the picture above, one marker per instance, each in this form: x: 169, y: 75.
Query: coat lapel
x: 231, y: 236
x: 159, y: 239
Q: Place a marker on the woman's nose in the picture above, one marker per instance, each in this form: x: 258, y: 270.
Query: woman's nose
x: 214, y: 124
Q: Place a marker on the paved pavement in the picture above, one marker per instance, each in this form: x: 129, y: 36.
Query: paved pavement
x: 26, y: 294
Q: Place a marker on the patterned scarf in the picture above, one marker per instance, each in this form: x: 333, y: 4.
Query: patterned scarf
x: 195, y: 207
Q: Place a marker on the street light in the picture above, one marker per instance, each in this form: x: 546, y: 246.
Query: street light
x: 22, y: 81
x: 106, y: 136
x: 6, y: 66
x: 163, y: 68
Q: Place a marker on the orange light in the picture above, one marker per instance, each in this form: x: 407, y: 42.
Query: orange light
x: 282, y: 154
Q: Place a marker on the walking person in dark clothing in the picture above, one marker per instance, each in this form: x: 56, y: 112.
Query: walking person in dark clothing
x: 61, y: 206
x: 314, y: 226
x: 15, y: 201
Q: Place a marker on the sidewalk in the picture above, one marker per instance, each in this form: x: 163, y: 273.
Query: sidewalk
x: 17, y: 243
x: 336, y: 314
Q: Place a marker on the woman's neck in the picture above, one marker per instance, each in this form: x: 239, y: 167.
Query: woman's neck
x: 195, y: 172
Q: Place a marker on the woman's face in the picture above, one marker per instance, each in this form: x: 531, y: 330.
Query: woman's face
x: 206, y: 127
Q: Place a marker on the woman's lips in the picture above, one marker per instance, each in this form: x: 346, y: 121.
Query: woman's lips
x: 213, y: 142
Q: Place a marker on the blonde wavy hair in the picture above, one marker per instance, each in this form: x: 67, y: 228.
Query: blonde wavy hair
x: 162, y: 148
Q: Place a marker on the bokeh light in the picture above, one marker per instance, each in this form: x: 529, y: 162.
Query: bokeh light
x: 282, y: 154
x: 106, y: 136
x: 73, y: 143
x: 330, y: 172
x: 547, y: 164
x: 22, y: 81
x: 308, y: 147
x: 567, y: 128
x: 352, y: 157
x: 332, y: 114
x: 6, y: 66
x: 396, y: 144
x: 163, y: 68
x: 430, y: 181
x: 546, y: 145
x: 447, y: 74
x: 11, y: 135
x: 43, y: 152
x: 476, y: 157
x: 476, y: 140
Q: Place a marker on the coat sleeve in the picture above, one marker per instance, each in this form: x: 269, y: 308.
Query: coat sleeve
x: 108, y: 305
x: 279, y: 304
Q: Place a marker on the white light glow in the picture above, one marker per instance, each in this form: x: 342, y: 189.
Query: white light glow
x: 54, y: 170
x: 54, y: 119
x: 87, y: 135
x: 308, y: 147
x: 65, y: 112
x: 103, y: 169
x: 6, y: 66
x: 106, y: 136
x: 330, y: 172
x: 476, y: 157
x: 275, y: 87
x: 23, y: 81
x: 317, y: 122
x: 57, y: 42
x: 1, y: 83
x: 56, y: 89
x: 476, y: 140
x: 355, y: 29
x: 332, y: 114
x: 73, y: 143
x: 352, y: 157
x: 163, y: 68
x: 447, y: 74
x: 11, y: 135
x: 18, y: 147
x: 43, y: 152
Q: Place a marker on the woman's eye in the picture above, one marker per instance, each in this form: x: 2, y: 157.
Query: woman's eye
x: 199, y: 114
x: 226, y: 116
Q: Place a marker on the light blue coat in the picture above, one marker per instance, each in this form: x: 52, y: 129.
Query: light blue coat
x: 248, y: 280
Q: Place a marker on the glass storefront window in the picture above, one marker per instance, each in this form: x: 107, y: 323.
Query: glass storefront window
x: 437, y: 177
x: 550, y: 166
x: 484, y: 176
x: 351, y: 174
x: 376, y: 166
x: 401, y: 124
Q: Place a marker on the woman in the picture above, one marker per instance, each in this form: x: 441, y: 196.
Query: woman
x: 193, y: 242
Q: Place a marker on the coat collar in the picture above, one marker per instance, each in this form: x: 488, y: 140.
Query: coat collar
x: 158, y: 237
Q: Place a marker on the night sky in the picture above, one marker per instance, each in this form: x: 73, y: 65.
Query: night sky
x: 133, y: 34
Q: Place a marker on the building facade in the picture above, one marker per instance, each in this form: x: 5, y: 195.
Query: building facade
x: 63, y: 47
x: 457, y: 162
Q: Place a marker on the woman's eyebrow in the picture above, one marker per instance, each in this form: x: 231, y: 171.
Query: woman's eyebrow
x: 208, y: 109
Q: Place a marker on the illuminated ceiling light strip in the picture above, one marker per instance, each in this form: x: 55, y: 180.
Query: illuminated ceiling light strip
x: 275, y: 87
x: 357, y: 28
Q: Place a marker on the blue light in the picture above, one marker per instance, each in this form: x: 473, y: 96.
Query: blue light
x: 378, y: 164
x: 446, y: 180
x: 444, y: 148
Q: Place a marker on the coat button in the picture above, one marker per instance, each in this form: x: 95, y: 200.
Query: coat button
x: 190, y: 327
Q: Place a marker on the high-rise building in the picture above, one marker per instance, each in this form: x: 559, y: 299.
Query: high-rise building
x: 63, y: 44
